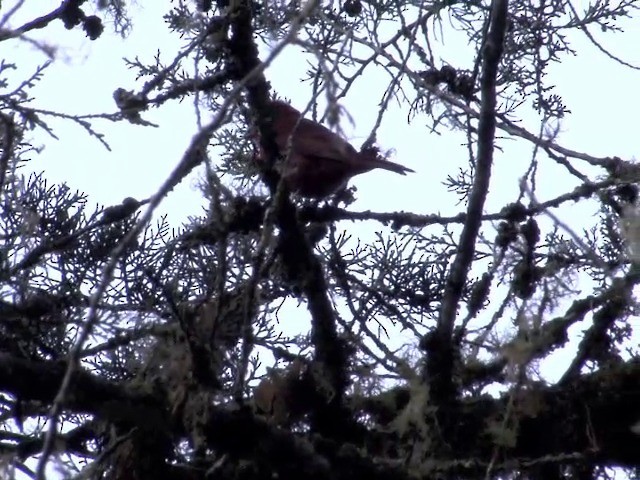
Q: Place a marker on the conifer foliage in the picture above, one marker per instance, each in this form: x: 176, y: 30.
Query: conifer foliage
x: 273, y: 337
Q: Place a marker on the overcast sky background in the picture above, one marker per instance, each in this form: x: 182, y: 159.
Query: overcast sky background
x: 601, y: 94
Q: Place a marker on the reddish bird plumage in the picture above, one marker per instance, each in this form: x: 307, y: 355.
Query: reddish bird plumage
x: 319, y: 162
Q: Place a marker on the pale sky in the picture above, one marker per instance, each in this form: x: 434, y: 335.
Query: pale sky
x: 82, y: 79
x: 602, y: 95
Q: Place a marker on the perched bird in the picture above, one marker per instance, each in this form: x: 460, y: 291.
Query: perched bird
x: 319, y: 161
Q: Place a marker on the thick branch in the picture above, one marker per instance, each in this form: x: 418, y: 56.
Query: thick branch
x: 589, y: 416
x: 87, y: 393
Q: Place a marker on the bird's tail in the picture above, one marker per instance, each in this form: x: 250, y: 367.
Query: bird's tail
x: 375, y: 159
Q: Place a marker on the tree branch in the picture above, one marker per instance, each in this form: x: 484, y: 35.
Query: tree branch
x: 440, y: 348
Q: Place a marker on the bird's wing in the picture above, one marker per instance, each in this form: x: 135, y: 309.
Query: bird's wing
x: 314, y: 140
